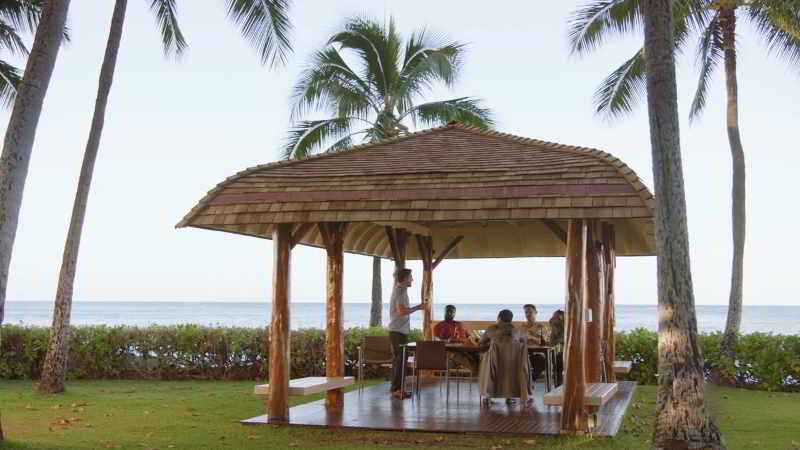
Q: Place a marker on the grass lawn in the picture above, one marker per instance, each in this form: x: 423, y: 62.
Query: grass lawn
x: 204, y: 415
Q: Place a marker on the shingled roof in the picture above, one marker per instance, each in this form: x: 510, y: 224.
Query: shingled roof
x: 495, y: 189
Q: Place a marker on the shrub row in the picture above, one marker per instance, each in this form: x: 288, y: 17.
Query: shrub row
x: 764, y: 361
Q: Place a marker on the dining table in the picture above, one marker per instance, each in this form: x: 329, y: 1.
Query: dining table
x: 453, y: 347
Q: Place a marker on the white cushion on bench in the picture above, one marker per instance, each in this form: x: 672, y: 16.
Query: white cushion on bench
x: 621, y: 367
x: 309, y: 385
x: 597, y: 394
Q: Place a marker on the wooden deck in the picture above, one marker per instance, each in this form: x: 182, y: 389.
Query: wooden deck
x: 374, y: 409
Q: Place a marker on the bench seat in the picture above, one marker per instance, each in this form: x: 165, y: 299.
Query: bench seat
x: 309, y: 385
x: 622, y: 367
x: 597, y: 394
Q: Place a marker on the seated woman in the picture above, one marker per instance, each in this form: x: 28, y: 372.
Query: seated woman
x: 505, y: 370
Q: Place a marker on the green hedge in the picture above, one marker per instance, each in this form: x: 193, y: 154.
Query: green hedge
x: 765, y: 361
x: 172, y: 352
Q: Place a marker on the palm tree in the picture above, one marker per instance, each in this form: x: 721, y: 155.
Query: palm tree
x: 21, y: 129
x: 377, y: 100
x: 264, y: 23
x: 714, y: 24
x: 681, y: 418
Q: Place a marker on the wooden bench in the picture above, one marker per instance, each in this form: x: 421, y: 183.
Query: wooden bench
x: 597, y: 394
x: 622, y: 367
x: 309, y: 385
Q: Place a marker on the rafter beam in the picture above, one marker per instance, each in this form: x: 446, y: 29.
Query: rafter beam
x: 553, y: 226
x: 447, y: 250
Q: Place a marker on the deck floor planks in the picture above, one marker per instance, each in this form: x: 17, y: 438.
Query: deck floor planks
x: 374, y: 409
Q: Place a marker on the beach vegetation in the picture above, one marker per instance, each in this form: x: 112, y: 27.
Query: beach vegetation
x: 264, y: 23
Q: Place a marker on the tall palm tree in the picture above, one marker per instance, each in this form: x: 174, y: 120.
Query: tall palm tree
x: 264, y: 23
x: 681, y: 417
x: 378, y: 98
x: 21, y: 129
x: 16, y: 16
x: 713, y: 23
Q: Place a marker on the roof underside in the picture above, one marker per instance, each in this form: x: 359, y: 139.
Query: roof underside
x: 496, y: 190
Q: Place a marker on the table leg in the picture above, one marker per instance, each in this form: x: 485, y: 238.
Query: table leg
x: 550, y: 367
x: 403, y: 372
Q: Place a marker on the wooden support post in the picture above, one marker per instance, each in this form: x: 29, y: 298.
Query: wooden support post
x: 333, y: 237
x: 279, y: 349
x: 574, y: 419
x: 610, y: 262
x: 593, y: 357
x: 425, y: 245
x: 398, y: 240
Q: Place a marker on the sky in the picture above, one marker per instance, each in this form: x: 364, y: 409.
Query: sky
x: 176, y: 128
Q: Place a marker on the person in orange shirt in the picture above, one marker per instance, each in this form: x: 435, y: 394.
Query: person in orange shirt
x: 450, y: 330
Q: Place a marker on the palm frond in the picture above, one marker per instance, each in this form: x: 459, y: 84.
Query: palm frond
x: 171, y: 35
x: 11, y: 41
x: 709, y: 54
x: 778, y: 23
x: 592, y: 24
x: 619, y: 92
x: 330, y: 84
x: 22, y: 15
x: 466, y: 110
x: 426, y: 61
x: 310, y: 136
x: 265, y: 23
x: 10, y: 78
x: 378, y: 47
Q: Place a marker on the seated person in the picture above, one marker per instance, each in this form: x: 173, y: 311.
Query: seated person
x: 504, y: 368
x: 536, y: 334
x: 557, y: 341
x: 451, y: 330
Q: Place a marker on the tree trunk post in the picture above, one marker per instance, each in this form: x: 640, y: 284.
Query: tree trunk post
x: 594, y: 292
x: 21, y: 129
x: 738, y: 213
x: 609, y: 338
x: 333, y: 237
x: 279, y: 345
x: 574, y: 419
x: 54, y: 370
x: 681, y: 417
x: 376, y: 312
x: 425, y: 245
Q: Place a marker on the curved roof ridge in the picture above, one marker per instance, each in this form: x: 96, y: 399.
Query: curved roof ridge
x: 623, y: 169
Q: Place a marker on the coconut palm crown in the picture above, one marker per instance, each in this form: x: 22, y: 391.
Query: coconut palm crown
x: 16, y: 16
x: 776, y: 21
x: 376, y: 99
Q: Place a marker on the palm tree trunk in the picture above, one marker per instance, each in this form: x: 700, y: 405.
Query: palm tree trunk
x: 376, y: 312
x: 734, y: 321
x: 21, y: 129
x: 681, y: 417
x: 55, y: 367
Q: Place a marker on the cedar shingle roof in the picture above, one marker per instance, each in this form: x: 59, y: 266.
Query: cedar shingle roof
x: 491, y: 187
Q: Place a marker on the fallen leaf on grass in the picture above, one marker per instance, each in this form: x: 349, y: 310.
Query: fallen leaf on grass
x: 112, y: 446
x: 88, y: 425
x: 58, y: 406
x: 529, y: 441
x: 252, y: 437
x: 495, y: 447
x: 31, y: 408
x: 75, y: 405
x: 194, y: 414
x: 506, y: 441
x: 62, y: 422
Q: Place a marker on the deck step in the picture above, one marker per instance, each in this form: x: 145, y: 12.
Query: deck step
x: 309, y: 385
x: 597, y: 394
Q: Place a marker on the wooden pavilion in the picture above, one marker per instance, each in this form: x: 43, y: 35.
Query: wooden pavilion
x: 444, y: 193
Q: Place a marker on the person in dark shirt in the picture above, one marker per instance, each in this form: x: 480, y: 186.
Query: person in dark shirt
x: 557, y: 341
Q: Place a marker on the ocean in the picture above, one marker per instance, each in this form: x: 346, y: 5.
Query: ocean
x: 772, y: 319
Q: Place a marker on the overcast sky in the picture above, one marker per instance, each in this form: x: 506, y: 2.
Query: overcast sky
x: 174, y: 129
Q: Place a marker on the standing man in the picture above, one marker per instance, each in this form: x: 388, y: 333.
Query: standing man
x: 399, y: 327
x: 535, y: 334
